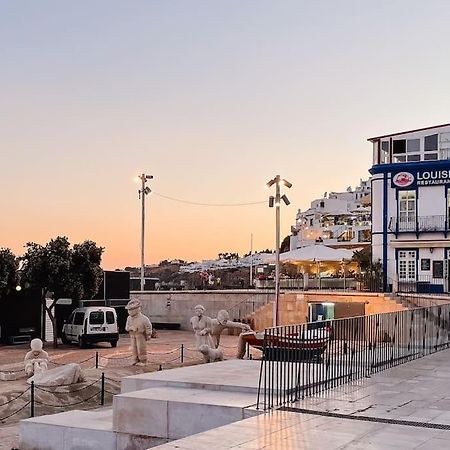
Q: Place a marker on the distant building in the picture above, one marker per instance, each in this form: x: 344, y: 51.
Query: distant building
x: 411, y: 207
x: 338, y: 219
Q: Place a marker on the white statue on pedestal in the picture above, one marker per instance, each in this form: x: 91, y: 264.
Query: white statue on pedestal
x: 139, y: 328
x: 36, y: 360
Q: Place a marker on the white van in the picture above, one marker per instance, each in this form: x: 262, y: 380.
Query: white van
x: 92, y: 324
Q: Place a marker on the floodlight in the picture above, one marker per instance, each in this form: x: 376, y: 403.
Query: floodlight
x: 287, y: 183
x: 271, y: 201
x: 285, y: 200
x: 270, y: 183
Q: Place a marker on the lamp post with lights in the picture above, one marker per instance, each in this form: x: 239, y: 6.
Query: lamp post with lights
x: 145, y: 190
x: 276, y: 200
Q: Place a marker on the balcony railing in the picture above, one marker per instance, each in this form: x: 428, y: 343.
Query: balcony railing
x: 418, y: 224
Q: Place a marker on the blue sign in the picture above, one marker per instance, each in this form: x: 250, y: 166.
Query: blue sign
x: 420, y: 177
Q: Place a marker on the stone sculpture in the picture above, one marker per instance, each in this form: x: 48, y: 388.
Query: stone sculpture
x: 201, y: 325
x: 217, y: 326
x: 63, y: 375
x: 211, y: 354
x: 36, y: 360
x: 139, y: 328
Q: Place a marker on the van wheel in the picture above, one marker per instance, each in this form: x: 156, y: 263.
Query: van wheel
x: 64, y: 339
x: 82, y: 342
x: 113, y: 344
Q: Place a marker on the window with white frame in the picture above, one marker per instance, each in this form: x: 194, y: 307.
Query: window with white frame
x: 407, y: 265
x: 430, y: 147
x: 407, y: 210
x: 406, y: 150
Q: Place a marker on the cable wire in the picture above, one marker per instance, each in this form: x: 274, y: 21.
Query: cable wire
x: 179, y: 200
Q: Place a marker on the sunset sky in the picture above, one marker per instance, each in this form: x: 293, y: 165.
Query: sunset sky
x: 213, y: 98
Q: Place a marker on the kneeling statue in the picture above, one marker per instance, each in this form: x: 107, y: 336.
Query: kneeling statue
x: 36, y: 360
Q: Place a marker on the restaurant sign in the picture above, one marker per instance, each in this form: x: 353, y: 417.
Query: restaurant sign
x: 420, y: 177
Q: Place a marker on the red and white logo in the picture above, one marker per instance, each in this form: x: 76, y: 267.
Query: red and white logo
x: 403, y: 179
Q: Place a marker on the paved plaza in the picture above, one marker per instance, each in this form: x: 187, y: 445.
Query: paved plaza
x: 406, y: 407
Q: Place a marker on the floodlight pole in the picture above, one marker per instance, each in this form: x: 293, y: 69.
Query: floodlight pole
x: 277, y: 251
x: 276, y: 201
x: 142, y: 193
x: 251, y: 260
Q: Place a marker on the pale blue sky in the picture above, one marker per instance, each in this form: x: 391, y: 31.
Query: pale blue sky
x: 213, y: 98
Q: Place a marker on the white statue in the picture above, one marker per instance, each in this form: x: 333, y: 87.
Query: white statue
x: 223, y: 321
x: 140, y: 329
x: 59, y: 376
x: 201, y: 325
x: 36, y: 360
x: 212, y: 354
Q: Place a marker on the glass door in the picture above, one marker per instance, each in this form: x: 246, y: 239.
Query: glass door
x: 407, y: 211
x: 407, y: 266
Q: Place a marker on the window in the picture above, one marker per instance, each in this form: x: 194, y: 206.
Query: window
x: 431, y: 147
x: 407, y: 210
x: 110, y: 317
x: 384, y: 156
x: 406, y: 150
x: 399, y: 150
x: 407, y: 265
x: 79, y: 318
x: 70, y: 319
x: 96, y: 318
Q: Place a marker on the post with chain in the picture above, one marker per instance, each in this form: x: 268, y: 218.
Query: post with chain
x: 96, y: 360
x: 32, y: 400
x: 182, y: 354
x: 102, y: 393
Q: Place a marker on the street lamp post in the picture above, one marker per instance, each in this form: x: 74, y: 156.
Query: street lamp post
x: 145, y: 190
x: 277, y: 200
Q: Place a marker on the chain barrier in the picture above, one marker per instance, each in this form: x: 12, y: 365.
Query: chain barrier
x: 67, y: 405
x: 2, y: 419
x: 65, y: 385
x: 15, y: 398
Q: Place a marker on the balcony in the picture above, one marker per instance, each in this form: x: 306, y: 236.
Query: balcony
x: 420, y: 224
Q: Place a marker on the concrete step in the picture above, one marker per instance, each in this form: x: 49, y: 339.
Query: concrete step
x: 76, y: 430
x: 176, y: 412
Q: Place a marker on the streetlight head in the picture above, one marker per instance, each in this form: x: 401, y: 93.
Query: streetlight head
x: 270, y: 183
x: 18, y: 288
x: 271, y: 201
x: 285, y: 200
x: 148, y: 177
x: 147, y: 190
x: 287, y: 183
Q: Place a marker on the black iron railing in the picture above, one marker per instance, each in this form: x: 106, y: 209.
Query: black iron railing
x: 306, y: 359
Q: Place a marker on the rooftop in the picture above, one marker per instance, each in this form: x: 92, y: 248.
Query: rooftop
x: 376, y: 138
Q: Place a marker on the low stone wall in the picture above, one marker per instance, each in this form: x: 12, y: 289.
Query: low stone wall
x: 155, y: 304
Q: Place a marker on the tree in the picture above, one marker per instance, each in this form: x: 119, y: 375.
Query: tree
x: 72, y: 273
x: 286, y: 244
x: 8, y: 271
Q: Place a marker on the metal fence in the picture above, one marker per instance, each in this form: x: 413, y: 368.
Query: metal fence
x: 306, y: 359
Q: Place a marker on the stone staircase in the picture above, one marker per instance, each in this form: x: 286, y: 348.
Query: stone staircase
x: 153, y: 408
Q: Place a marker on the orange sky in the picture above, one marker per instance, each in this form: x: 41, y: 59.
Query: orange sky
x: 211, y: 100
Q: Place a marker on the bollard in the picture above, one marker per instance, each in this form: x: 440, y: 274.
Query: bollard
x: 96, y: 360
x: 182, y: 353
x: 102, y: 393
x: 160, y: 367
x: 32, y: 400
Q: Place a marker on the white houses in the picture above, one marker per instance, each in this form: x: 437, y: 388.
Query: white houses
x: 410, y: 208
x: 338, y: 219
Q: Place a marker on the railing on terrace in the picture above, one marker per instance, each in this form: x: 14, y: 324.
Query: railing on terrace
x: 418, y: 224
x: 306, y: 359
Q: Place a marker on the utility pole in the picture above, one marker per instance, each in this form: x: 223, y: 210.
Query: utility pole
x: 251, y: 260
x: 277, y: 201
x: 145, y: 190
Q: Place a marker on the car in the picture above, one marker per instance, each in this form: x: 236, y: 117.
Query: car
x: 90, y: 325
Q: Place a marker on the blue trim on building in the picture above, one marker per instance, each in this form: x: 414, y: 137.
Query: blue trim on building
x: 385, y: 226
x: 433, y: 164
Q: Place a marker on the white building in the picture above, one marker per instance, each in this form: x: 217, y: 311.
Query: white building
x: 410, y: 207
x: 338, y: 219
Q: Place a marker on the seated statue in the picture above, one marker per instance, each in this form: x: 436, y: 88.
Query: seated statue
x: 59, y: 376
x: 36, y: 360
x: 211, y: 354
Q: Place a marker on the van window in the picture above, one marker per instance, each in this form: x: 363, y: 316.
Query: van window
x: 79, y: 318
x: 70, y: 319
x: 110, y: 317
x: 96, y: 318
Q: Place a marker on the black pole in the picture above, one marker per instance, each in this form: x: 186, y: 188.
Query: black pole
x: 32, y: 400
x: 182, y: 353
x: 102, y: 392
x: 96, y: 360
